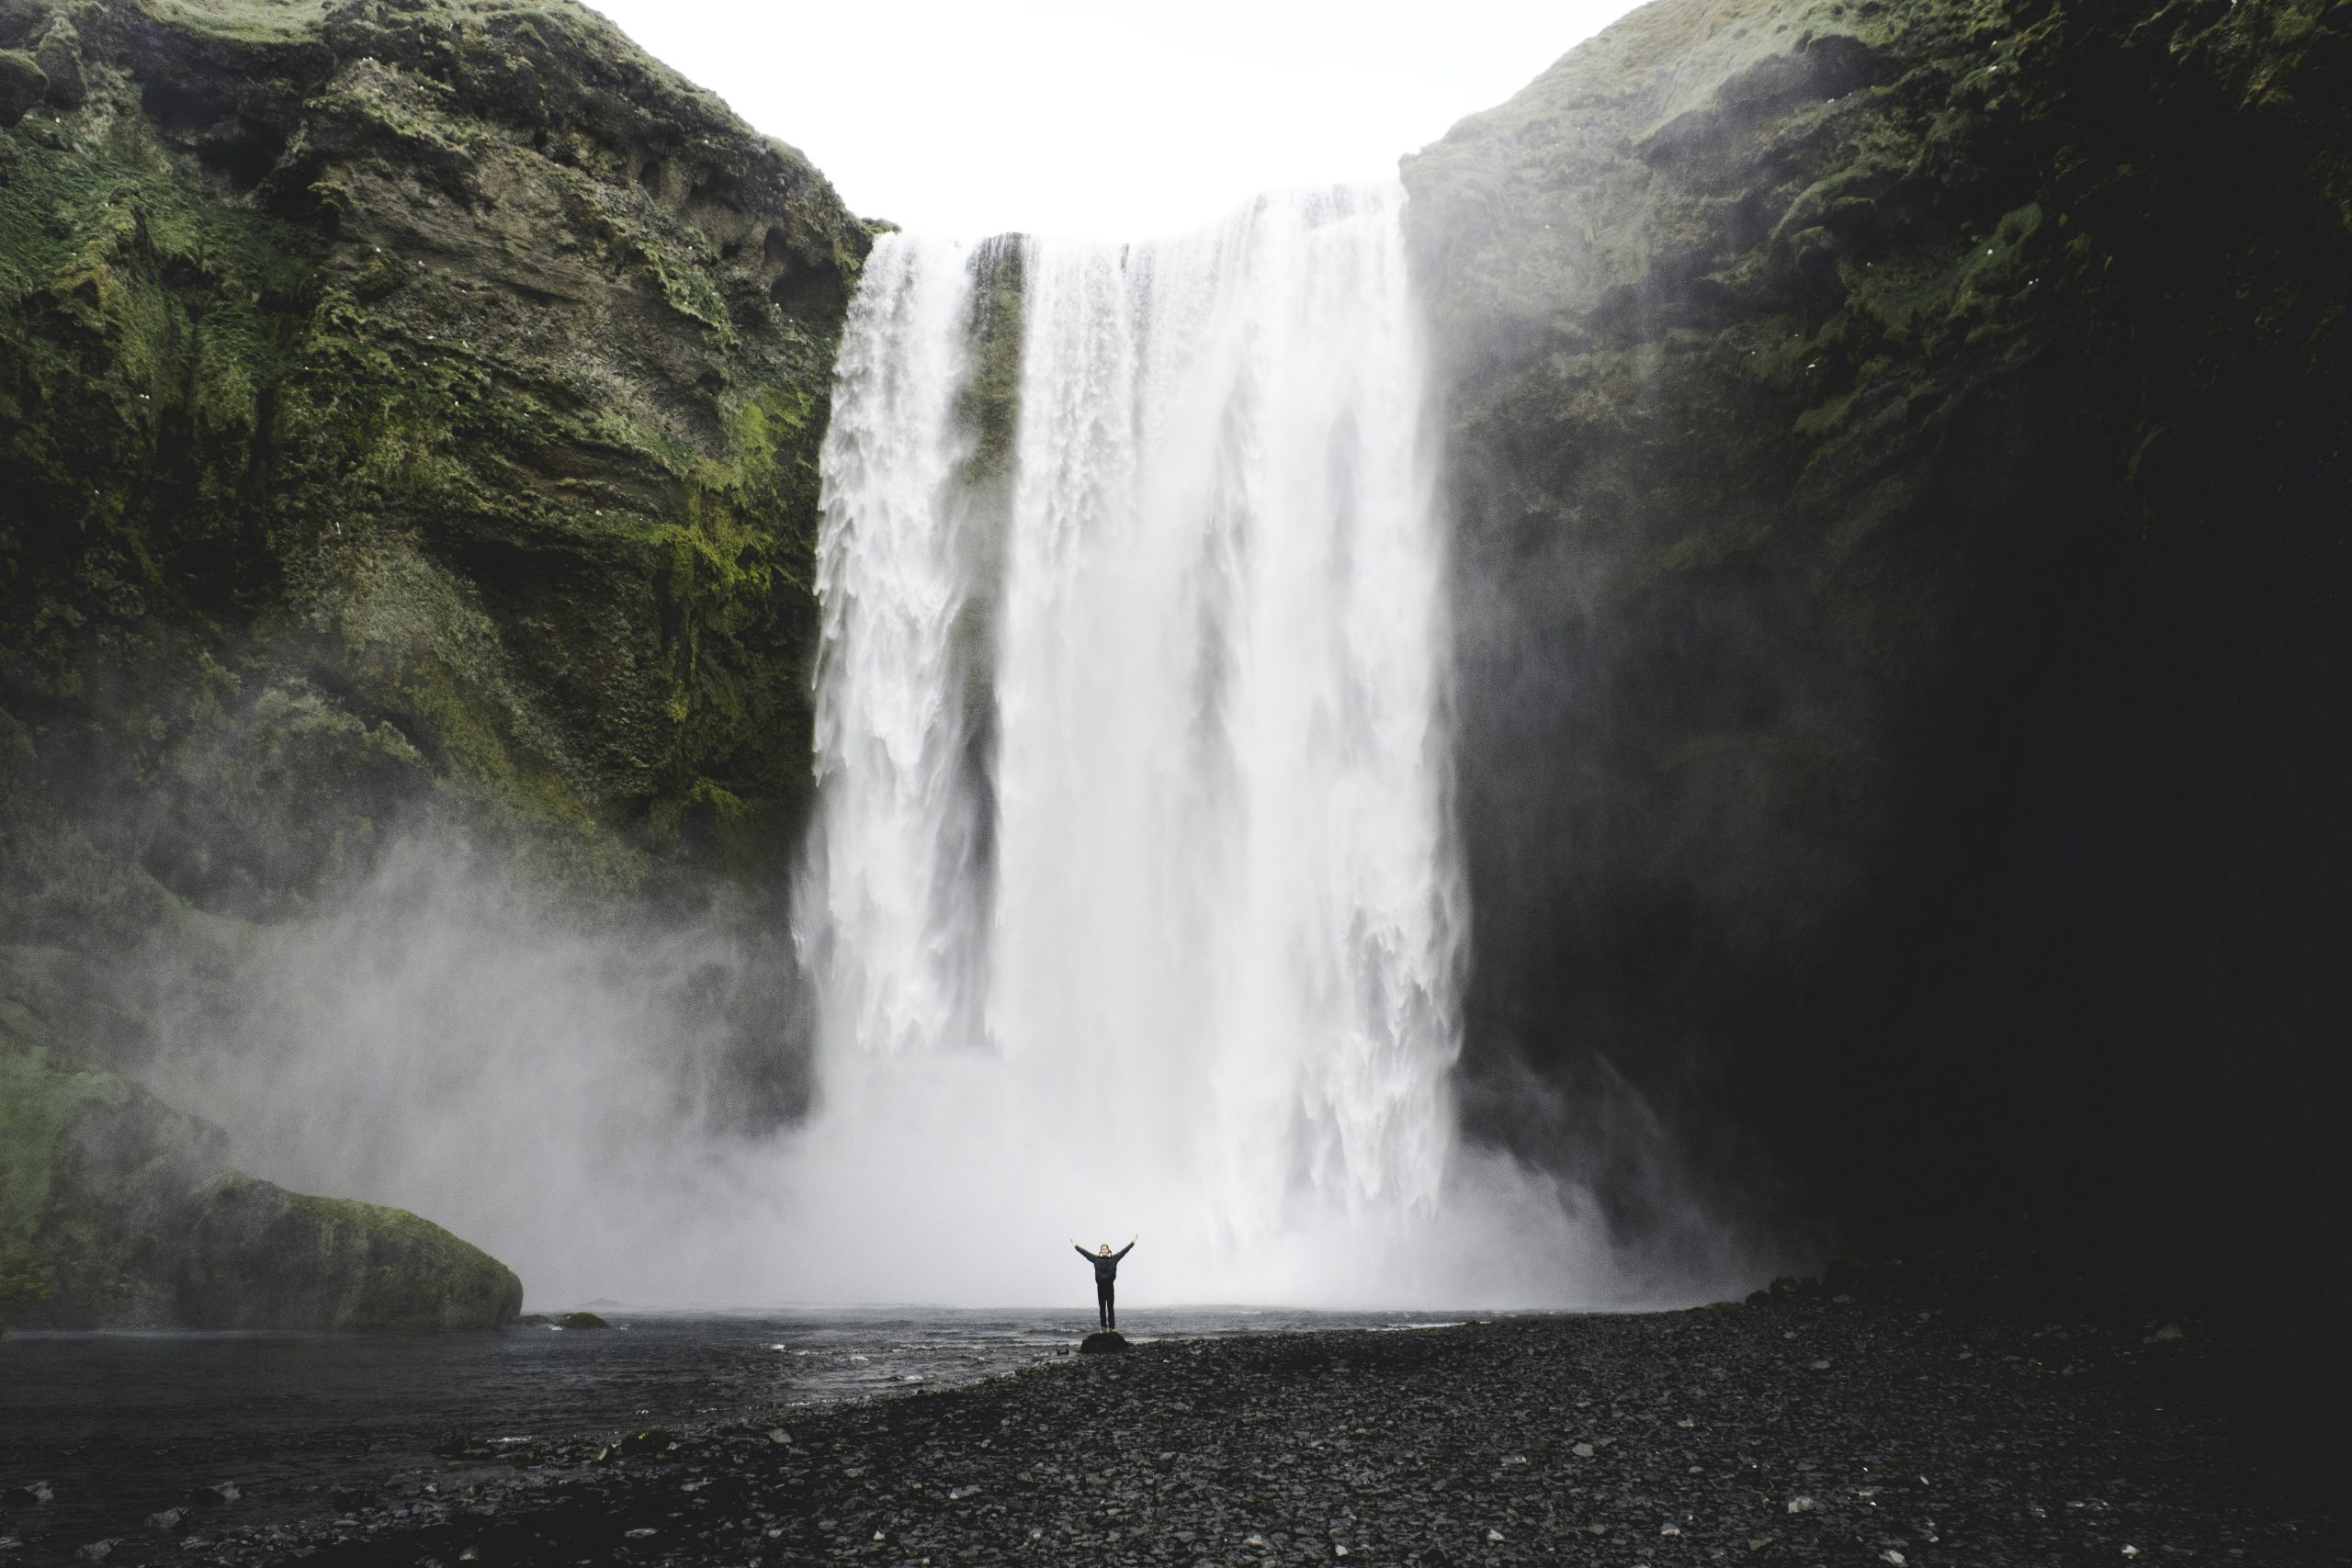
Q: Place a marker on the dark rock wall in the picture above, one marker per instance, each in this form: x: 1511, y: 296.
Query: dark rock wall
x: 1904, y: 619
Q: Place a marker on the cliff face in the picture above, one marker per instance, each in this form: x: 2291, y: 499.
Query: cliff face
x: 1904, y: 611
x: 409, y: 415
x: 403, y: 402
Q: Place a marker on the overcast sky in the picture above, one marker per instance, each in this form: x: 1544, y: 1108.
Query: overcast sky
x: 1097, y: 117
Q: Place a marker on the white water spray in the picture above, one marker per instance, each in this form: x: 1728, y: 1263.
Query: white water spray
x: 1136, y: 910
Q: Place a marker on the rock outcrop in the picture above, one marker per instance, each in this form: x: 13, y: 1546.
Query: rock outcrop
x: 118, y: 1212
x: 409, y: 414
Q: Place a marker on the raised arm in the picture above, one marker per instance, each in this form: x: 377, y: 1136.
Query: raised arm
x: 1081, y: 1251
x: 1129, y: 1247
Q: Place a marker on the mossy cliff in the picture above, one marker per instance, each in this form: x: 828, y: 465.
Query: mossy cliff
x: 1904, y: 597
x: 403, y: 402
x: 409, y: 415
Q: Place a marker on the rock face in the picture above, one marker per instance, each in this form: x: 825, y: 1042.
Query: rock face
x: 1901, y: 468
x: 117, y: 1212
x: 407, y: 424
x: 405, y: 402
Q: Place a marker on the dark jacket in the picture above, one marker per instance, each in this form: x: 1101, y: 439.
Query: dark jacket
x: 1106, y: 1268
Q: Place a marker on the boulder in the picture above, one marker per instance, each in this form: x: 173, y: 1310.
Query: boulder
x: 1108, y: 1342
x: 59, y: 55
x: 117, y: 1210
x: 23, y: 83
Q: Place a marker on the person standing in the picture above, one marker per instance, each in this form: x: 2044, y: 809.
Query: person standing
x: 1106, y: 1274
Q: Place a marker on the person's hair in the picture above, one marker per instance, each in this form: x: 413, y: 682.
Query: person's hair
x: 1106, y: 1247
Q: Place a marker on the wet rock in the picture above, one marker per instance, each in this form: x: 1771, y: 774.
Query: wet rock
x: 1105, y: 1342
x: 580, y: 1320
x: 32, y: 1493
x: 23, y: 84
x: 59, y: 54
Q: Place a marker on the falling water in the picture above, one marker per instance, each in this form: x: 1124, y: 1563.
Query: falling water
x: 1132, y: 897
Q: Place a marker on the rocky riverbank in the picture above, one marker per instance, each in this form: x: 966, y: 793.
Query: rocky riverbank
x: 1902, y: 1419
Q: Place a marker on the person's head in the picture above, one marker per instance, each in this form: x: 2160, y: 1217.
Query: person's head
x: 1106, y: 1250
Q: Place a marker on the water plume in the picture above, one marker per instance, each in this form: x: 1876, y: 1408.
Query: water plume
x: 1199, y: 973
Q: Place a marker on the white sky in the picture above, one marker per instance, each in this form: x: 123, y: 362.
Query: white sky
x: 1097, y: 117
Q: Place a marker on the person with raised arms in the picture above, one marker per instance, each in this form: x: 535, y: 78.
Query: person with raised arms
x: 1106, y: 1272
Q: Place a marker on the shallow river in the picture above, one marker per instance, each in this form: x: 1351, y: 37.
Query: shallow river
x: 121, y: 1426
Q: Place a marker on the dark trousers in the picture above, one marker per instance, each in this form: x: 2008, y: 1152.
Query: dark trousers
x: 1102, y: 1301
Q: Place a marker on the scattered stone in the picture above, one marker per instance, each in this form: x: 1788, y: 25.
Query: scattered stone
x: 30, y: 1495
x: 1252, y: 1449
x: 168, y: 1519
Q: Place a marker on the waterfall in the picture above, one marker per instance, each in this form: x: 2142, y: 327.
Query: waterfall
x: 1132, y: 901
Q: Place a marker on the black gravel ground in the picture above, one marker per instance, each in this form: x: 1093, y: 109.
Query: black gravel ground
x: 1890, y: 1420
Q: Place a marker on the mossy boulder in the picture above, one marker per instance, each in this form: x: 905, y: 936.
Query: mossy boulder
x: 263, y: 1257
x: 23, y: 84
x: 118, y: 1212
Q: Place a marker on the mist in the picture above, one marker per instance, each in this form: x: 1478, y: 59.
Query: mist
x: 608, y: 1109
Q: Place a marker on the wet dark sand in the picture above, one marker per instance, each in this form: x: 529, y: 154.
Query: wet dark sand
x: 1910, y: 1423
